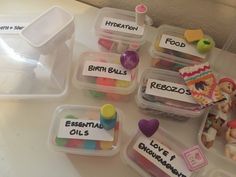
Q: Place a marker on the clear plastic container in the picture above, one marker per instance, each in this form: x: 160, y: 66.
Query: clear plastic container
x: 104, y: 77
x: 170, y: 44
x: 117, y: 30
x: 76, y: 129
x: 142, y: 155
x: 25, y: 71
x: 164, y: 92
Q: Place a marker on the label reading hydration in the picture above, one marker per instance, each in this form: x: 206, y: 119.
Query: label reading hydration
x: 162, y: 157
x: 180, y: 45
x: 106, y: 70
x: 119, y: 25
x: 169, y: 90
x: 11, y: 28
x: 84, y: 129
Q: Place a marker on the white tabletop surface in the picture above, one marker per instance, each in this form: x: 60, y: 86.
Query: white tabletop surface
x: 24, y: 125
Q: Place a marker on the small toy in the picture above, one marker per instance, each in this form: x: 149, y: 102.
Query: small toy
x: 212, y: 126
x: 141, y: 10
x: 129, y: 59
x: 202, y: 84
x: 193, y: 35
x: 230, y: 136
x: 108, y: 116
x: 204, y: 45
x: 194, y: 158
x: 148, y: 127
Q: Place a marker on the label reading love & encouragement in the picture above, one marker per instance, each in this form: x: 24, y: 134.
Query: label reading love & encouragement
x: 162, y: 157
x: 106, y: 70
x: 119, y: 25
x: 169, y: 90
x: 84, y: 129
x: 180, y: 45
x: 11, y: 28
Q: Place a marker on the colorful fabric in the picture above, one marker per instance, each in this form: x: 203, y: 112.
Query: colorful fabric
x: 202, y: 84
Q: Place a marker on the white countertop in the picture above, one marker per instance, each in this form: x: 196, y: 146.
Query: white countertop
x: 24, y: 125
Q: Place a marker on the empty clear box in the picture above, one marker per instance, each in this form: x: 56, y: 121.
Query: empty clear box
x: 104, y: 77
x: 164, y: 92
x: 77, y: 129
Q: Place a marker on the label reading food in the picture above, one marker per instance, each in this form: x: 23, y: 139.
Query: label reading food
x: 11, y: 28
x: 119, y: 25
x: 106, y: 70
x: 169, y: 90
x: 162, y: 157
x: 84, y: 129
x: 180, y: 45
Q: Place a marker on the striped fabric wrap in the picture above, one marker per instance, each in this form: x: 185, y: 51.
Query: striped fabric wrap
x: 202, y: 84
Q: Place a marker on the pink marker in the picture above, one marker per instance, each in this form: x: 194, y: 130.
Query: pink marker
x: 141, y: 11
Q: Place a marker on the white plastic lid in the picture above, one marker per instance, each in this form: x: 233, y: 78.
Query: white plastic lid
x: 119, y: 25
x: 142, y: 154
x: 76, y: 129
x: 103, y: 72
x: 170, y: 44
x: 26, y: 72
x: 163, y: 91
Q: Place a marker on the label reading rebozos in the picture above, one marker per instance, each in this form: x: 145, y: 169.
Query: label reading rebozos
x: 119, y: 25
x: 180, y: 45
x: 169, y: 90
x: 106, y: 70
x: 11, y: 28
x: 84, y: 129
x: 162, y: 157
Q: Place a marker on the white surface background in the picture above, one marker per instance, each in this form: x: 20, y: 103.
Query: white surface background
x: 24, y: 125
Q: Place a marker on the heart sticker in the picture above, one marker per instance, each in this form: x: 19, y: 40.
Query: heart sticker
x: 148, y: 127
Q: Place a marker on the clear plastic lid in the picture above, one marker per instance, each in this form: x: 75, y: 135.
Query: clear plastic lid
x: 103, y: 72
x: 158, y: 155
x: 165, y: 91
x: 170, y: 44
x: 119, y: 25
x: 77, y: 129
x: 29, y: 73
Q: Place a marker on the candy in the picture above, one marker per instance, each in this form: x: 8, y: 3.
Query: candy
x: 121, y: 83
x: 107, y: 44
x: 90, y: 144
x: 193, y: 35
x: 148, y: 127
x: 97, y: 94
x: 74, y: 143
x: 204, y: 45
x: 61, y: 141
x: 106, y: 145
x: 129, y: 59
x: 105, y: 81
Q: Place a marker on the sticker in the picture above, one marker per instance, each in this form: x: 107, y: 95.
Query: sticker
x: 84, y: 129
x: 180, y: 45
x: 162, y: 157
x: 169, y: 90
x: 106, y: 70
x: 119, y: 25
x: 11, y: 28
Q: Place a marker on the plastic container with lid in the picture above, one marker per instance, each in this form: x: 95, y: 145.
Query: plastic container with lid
x: 27, y: 72
x: 104, y: 77
x: 117, y: 30
x: 164, y: 92
x: 170, y: 44
x: 157, y: 155
x: 77, y: 129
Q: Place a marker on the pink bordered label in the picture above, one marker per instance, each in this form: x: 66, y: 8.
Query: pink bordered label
x: 194, y: 158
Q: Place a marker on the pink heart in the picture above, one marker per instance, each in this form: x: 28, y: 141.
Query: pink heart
x: 148, y: 127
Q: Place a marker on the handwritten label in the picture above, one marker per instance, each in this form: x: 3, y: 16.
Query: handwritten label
x: 11, y: 28
x: 119, y: 25
x: 161, y: 156
x: 107, y: 70
x: 169, y: 90
x: 180, y: 45
x: 84, y: 129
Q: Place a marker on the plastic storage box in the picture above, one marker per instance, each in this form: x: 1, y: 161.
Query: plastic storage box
x: 27, y: 72
x: 170, y: 45
x: 158, y: 155
x: 164, y: 92
x: 117, y: 30
x: 104, y: 77
x: 76, y: 129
